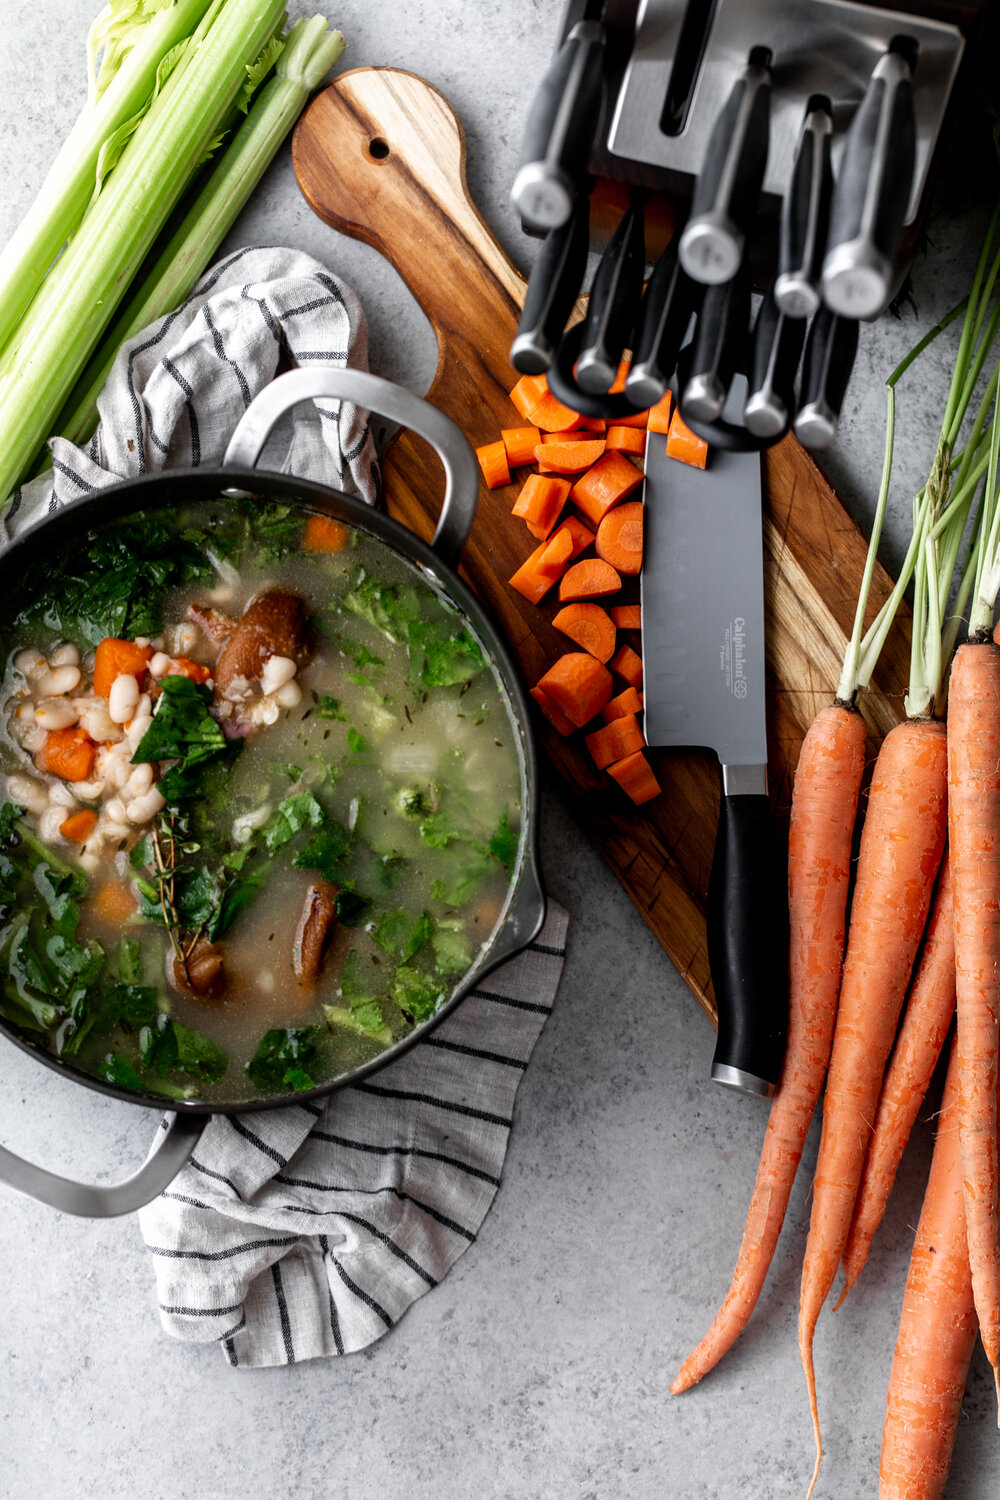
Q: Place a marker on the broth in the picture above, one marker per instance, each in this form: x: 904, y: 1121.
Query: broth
x: 322, y: 844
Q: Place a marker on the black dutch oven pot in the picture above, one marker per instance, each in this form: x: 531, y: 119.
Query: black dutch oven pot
x: 525, y: 908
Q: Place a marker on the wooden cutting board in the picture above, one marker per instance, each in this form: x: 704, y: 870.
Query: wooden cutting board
x: 380, y: 155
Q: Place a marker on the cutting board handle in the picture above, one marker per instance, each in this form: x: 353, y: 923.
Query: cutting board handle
x: 396, y: 179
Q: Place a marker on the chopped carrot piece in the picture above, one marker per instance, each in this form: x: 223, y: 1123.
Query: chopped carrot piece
x: 540, y: 502
x: 569, y: 457
x: 618, y: 384
x: 538, y: 573
x: 580, y: 536
x: 634, y: 776
x: 79, y: 825
x: 574, y: 435
x: 493, y: 462
x: 115, y: 658
x: 68, y: 753
x: 619, y: 538
x: 589, y: 579
x: 623, y: 439
x: 608, y: 483
x: 324, y: 534
x: 183, y: 666
x: 628, y: 664
x: 520, y: 444
x: 637, y: 419
x: 628, y: 702
x: 114, y: 902
x: 538, y: 406
x: 627, y: 616
x: 589, y: 424
x: 619, y: 738
x: 658, y: 416
x: 578, y: 685
x: 589, y: 626
x: 683, y: 444
x: 556, y: 718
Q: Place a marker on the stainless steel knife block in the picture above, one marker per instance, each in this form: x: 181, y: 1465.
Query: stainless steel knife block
x: 671, y: 65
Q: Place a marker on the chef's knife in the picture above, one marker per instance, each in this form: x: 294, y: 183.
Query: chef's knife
x: 805, y: 214
x: 703, y: 684
x: 872, y: 189
x: 561, y: 129
x: 613, y: 305
x: 830, y: 349
x: 725, y: 194
x: 556, y: 279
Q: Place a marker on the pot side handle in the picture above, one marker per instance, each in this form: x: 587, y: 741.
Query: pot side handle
x: 178, y: 1137
x: 461, y: 472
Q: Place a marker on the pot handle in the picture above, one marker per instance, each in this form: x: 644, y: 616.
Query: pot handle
x: 179, y: 1135
x: 461, y: 473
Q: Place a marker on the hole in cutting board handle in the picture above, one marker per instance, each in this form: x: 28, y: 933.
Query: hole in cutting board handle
x: 378, y: 148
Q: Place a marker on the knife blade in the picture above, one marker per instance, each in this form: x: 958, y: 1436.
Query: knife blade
x: 702, y: 593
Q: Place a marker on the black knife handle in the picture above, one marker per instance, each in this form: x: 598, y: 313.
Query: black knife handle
x: 747, y: 948
x: 872, y: 190
x: 725, y: 194
x: 718, y: 349
x: 554, y: 285
x: 561, y: 129
x: 613, y: 304
x: 805, y: 214
x: 669, y: 300
x: 830, y: 349
x: 777, y: 347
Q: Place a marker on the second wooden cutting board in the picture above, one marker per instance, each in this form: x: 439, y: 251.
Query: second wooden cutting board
x: 380, y: 155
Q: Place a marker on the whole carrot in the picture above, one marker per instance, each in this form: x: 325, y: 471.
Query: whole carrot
x: 974, y: 831
x: 929, y: 1012
x: 824, y: 806
x: 901, y: 849
x: 937, y: 1328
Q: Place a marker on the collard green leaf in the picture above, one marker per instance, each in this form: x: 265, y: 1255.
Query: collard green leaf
x: 389, y: 607
x: 182, y: 729
x: 443, y: 653
x: 283, y: 1054
x: 504, y: 843
x: 417, y: 995
x: 402, y: 934
x: 452, y: 954
x: 296, y: 811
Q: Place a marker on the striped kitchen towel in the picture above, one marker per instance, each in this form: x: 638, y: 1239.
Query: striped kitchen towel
x: 307, y: 1231
x: 177, y: 390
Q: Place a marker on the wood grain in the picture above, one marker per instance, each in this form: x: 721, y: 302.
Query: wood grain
x: 380, y: 155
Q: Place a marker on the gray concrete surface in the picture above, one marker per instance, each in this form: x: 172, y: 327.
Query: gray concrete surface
x: 540, y: 1368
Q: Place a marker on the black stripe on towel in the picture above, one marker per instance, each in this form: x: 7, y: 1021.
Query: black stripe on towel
x: 334, y: 1320
x: 200, y: 1312
x: 496, y: 1057
x: 538, y: 1010
x: 363, y: 1296
x: 289, y: 1239
x: 450, y: 1161
x: 447, y: 1104
x: 390, y: 1245
x: 286, y: 1327
x: 255, y: 1140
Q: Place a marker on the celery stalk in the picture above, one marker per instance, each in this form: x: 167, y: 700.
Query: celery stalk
x: 79, y: 296
x: 71, y: 180
x: 310, y: 51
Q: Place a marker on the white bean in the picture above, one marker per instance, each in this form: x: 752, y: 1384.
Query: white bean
x: 277, y: 671
x: 56, y: 713
x: 54, y: 683
x: 99, y: 724
x: 144, y: 705
x: 65, y: 655
x: 139, y: 781
x: 60, y: 793
x: 186, y: 638
x: 137, y: 729
x: 90, y: 861
x: 123, y: 698
x: 266, y: 711
x: 157, y: 642
x: 89, y: 791
x: 160, y: 664
x: 289, y: 695
x: 239, y: 689
x: 142, y: 640
x: 114, y: 832
x: 29, y: 734
x: 141, y: 809
x: 50, y: 822
x: 114, y: 811
x: 30, y: 663
x: 28, y: 792
x: 265, y: 981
